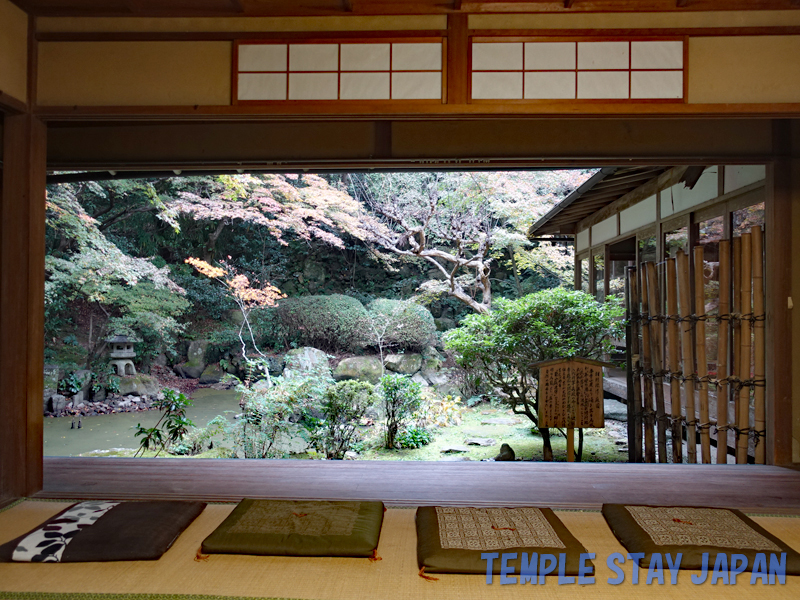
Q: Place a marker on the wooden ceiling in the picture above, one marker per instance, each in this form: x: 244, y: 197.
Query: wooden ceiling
x: 186, y: 8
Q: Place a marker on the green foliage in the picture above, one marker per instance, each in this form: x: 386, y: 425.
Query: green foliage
x: 331, y: 323
x: 266, y: 410
x: 408, y: 325
x: 148, y: 314
x: 198, y: 439
x: 204, y: 295
x: 414, y: 437
x: 440, y: 411
x: 344, y: 406
x: 170, y: 428
x: 501, y: 346
x: 401, y: 398
x: 70, y: 385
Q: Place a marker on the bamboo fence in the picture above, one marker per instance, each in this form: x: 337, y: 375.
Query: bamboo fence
x: 672, y: 350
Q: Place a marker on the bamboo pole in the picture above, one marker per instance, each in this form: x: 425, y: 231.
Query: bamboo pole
x: 636, y: 365
x: 687, y: 346
x: 736, y: 323
x: 658, y: 361
x: 745, y: 354
x: 700, y: 345
x: 647, y: 413
x: 759, y: 370
x: 673, y: 338
x: 723, y: 389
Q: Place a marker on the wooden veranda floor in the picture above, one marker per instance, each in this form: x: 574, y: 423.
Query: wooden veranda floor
x: 558, y: 485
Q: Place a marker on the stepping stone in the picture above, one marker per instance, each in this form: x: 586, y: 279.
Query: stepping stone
x: 500, y: 421
x: 480, y: 442
x: 448, y: 449
x: 455, y: 458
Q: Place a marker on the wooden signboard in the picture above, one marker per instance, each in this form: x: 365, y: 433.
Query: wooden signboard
x: 571, y: 395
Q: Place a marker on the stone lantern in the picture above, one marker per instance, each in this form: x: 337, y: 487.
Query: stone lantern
x: 122, y: 354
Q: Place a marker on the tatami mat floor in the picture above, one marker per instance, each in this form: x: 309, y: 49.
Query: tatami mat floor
x: 395, y: 576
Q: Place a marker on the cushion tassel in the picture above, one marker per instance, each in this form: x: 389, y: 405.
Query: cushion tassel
x: 375, y: 557
x: 427, y: 577
x: 200, y: 556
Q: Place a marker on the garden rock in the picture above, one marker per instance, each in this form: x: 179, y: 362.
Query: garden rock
x: 363, y: 368
x: 196, y: 360
x: 77, y: 399
x: 418, y: 378
x: 57, y: 403
x: 407, y: 364
x: 212, y: 374
x: 305, y: 361
x: 480, y: 442
x: 276, y: 365
x: 444, y: 324
x: 500, y: 421
x: 138, y: 385
x: 85, y: 377
x: 52, y: 375
x: 449, y: 449
x: 506, y: 453
x: 615, y: 410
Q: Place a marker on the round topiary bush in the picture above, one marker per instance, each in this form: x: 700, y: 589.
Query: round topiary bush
x: 408, y: 325
x: 333, y: 322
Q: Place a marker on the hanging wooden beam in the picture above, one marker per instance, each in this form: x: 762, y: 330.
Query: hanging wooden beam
x: 648, y: 416
x: 759, y: 367
x: 745, y: 353
x: 658, y: 360
x: 700, y: 345
x: 723, y: 333
x: 687, y: 346
x: 673, y: 343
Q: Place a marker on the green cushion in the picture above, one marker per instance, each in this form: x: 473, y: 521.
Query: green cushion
x: 298, y: 528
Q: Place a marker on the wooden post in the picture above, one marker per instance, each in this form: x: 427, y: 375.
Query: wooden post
x: 700, y: 344
x: 22, y: 230
x: 635, y: 449
x: 736, y: 323
x: 688, y: 355
x: 745, y: 354
x: 570, y: 444
x: 648, y: 420
x: 658, y: 362
x: 673, y: 338
x: 723, y: 389
x: 759, y: 370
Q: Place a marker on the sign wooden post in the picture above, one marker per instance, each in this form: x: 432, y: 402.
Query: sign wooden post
x: 571, y: 396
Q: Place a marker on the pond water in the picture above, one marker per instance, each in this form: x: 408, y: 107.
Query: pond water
x: 103, y: 432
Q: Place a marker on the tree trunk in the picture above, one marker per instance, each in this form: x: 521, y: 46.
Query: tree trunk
x: 547, y: 448
x: 211, y: 244
x: 516, y: 271
x: 579, y: 456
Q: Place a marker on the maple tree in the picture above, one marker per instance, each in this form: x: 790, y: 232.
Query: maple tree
x: 460, y: 223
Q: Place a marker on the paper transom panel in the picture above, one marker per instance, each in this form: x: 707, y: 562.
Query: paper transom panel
x: 416, y: 86
x: 263, y: 57
x: 366, y: 57
x: 313, y: 57
x: 497, y: 57
x: 550, y: 56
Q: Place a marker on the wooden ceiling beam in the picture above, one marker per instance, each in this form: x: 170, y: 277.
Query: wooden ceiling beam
x: 186, y: 8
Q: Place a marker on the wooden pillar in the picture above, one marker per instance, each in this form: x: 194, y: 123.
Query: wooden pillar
x: 783, y: 187
x: 22, y: 227
x: 457, y: 59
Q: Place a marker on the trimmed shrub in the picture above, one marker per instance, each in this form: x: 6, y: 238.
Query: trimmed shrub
x: 330, y: 323
x: 344, y: 406
x: 401, y: 398
x: 409, y: 326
